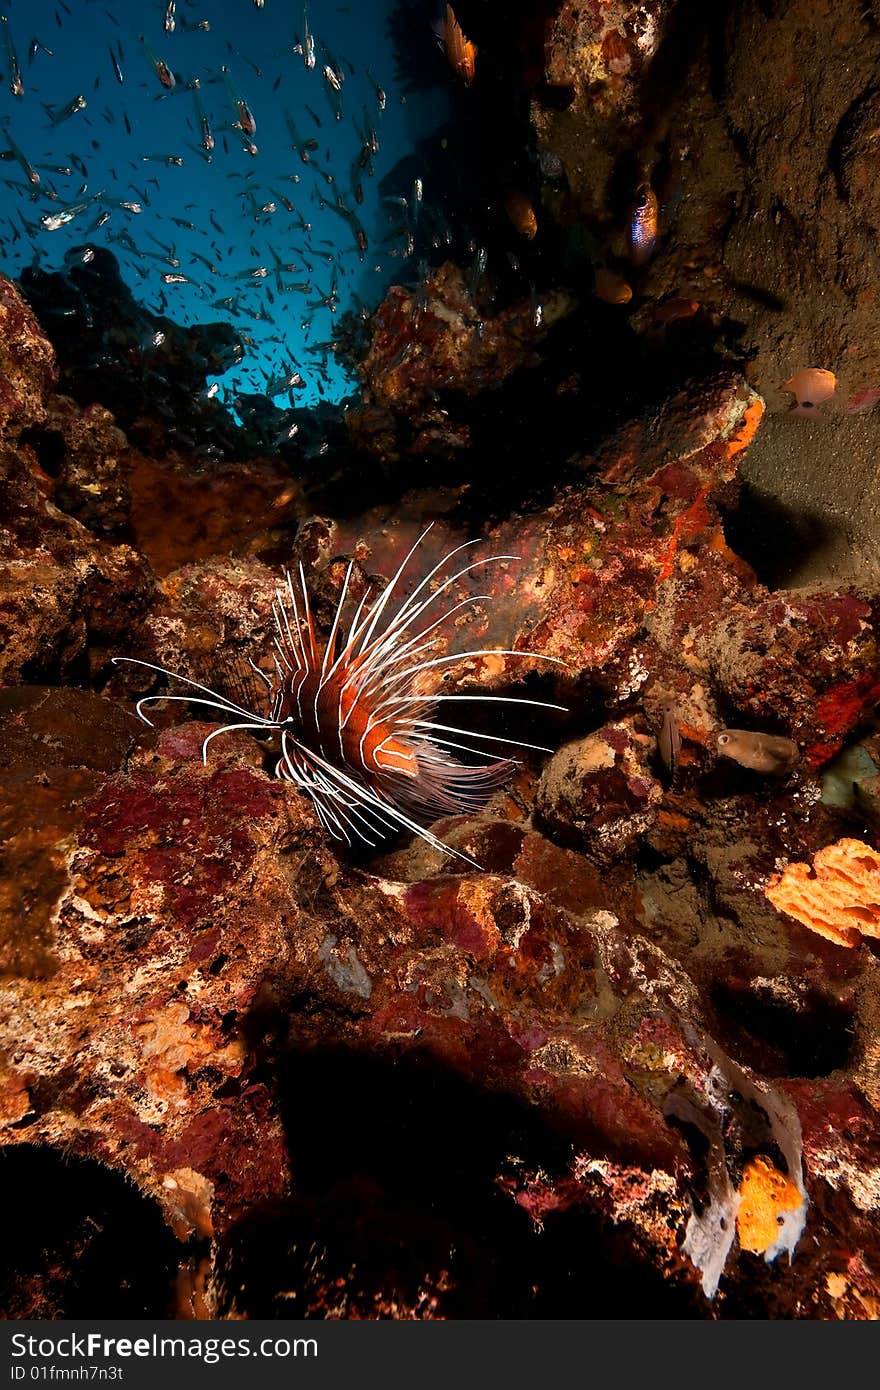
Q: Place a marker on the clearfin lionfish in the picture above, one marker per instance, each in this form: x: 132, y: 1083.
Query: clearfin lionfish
x: 357, y: 734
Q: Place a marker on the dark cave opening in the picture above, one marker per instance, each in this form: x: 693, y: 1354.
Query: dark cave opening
x: 79, y: 1238
x: 404, y: 1177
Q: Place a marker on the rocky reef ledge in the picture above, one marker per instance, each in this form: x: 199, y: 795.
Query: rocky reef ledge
x: 605, y: 1073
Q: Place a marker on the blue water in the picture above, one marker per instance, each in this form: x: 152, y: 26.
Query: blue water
x: 282, y: 277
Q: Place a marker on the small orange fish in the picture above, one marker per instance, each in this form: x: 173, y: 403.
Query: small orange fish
x: 673, y: 309
x: 611, y: 287
x: 642, y: 225
x: 521, y: 213
x: 462, y: 54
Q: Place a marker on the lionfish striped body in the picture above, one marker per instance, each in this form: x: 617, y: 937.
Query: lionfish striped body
x: 356, y: 734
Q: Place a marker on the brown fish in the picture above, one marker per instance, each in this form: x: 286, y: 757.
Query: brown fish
x: 669, y: 738
x: 462, y: 54
x: 642, y: 225
x: 521, y: 213
x: 768, y: 753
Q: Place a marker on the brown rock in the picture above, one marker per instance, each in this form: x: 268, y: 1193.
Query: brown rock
x: 153, y: 1077
x: 599, y: 794
x: 27, y: 365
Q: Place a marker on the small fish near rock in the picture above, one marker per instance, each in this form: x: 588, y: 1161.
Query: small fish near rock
x: 811, y: 388
x: 462, y: 54
x: 611, y: 287
x: 642, y: 225
x: 521, y: 213
x: 669, y: 739
x: 765, y: 1196
x: 770, y: 754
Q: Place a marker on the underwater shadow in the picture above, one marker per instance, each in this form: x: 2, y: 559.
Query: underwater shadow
x: 398, y: 1209
x: 778, y: 1039
x: 692, y: 28
x: 774, y: 539
x: 80, y: 1241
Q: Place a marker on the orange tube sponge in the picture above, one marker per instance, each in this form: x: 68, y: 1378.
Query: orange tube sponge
x: 838, y: 896
x: 764, y: 1195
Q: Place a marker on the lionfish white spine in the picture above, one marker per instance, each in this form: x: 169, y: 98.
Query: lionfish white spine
x: 356, y: 735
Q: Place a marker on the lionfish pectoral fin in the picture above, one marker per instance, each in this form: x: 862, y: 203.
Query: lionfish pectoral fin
x: 394, y: 756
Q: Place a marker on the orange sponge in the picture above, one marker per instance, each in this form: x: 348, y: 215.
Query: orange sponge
x: 764, y: 1195
x: 838, y: 896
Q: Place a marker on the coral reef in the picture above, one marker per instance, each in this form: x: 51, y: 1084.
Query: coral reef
x: 113, y: 350
x: 433, y: 342
x: 762, y: 246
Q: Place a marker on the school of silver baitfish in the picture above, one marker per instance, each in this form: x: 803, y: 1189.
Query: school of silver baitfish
x: 270, y: 266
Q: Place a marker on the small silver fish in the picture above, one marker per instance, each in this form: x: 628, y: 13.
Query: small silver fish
x: 380, y: 94
x: 478, y: 270
x: 77, y: 103
x: 207, y: 135
x: 276, y: 385
x: 308, y: 42
x: 768, y: 753
x: 52, y: 221
x: 30, y: 172
x: 37, y: 47
x: 246, y: 121
x: 159, y: 66
x: 16, y: 84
